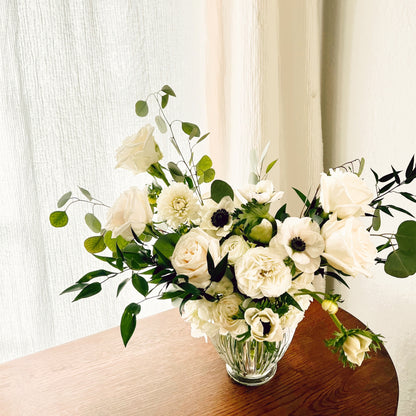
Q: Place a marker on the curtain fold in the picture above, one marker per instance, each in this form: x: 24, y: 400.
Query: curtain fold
x: 263, y: 85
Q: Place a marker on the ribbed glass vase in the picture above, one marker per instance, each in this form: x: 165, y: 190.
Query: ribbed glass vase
x: 250, y: 362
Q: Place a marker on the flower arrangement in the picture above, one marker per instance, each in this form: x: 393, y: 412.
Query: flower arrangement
x: 229, y: 263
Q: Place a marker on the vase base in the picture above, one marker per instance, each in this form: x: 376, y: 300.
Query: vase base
x: 247, y: 380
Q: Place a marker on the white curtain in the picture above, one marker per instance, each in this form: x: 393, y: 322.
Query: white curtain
x: 70, y: 75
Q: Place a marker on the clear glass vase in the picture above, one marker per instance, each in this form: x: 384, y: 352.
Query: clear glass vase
x: 249, y: 362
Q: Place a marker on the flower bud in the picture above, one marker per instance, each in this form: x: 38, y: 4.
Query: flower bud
x: 330, y: 306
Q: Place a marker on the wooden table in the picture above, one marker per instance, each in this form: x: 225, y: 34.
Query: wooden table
x: 164, y: 371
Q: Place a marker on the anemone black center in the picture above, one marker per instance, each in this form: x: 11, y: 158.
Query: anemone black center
x: 220, y: 218
x: 266, y: 327
x: 297, y: 244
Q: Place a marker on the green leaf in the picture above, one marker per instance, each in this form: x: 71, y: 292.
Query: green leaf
x: 112, y: 243
x: 74, y: 288
x: 140, y: 284
x: 361, y: 168
x: 253, y: 178
x: 166, y: 244
x: 165, y: 99
x: 400, y: 264
x: 192, y: 130
x: 404, y: 211
x: 173, y: 294
x: 220, y: 189
x: 96, y: 273
x: 121, y: 285
x: 408, y: 196
x: 220, y: 269
x: 168, y: 90
x: 406, y: 236
x: 409, y: 169
x: 209, y: 175
x: 376, y: 223
x: 142, y: 108
x: 95, y: 244
x: 161, y: 125
x: 176, y: 173
x: 128, y: 321
x: 304, y: 199
x: 281, y: 214
x: 85, y: 193
x: 64, y: 199
x: 270, y: 165
x: 110, y: 260
x: 93, y: 222
x: 202, y: 138
x: 89, y: 290
x: 58, y: 219
x: 204, y: 164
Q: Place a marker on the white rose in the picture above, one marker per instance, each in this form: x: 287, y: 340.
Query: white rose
x: 235, y: 246
x: 263, y: 192
x: 130, y: 210
x: 345, y: 194
x: 261, y: 272
x: 348, y: 246
x: 190, y: 256
x: 355, y: 347
x: 223, y: 313
x: 265, y: 324
x: 138, y: 152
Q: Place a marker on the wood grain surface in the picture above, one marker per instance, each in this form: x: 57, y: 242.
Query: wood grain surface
x: 164, y: 371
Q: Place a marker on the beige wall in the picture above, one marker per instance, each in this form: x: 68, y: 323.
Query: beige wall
x: 369, y: 109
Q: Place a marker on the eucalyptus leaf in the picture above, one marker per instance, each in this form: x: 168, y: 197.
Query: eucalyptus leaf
x: 93, y: 222
x: 142, y: 109
x: 165, y: 99
x: 204, y: 164
x: 376, y: 223
x: 64, y: 199
x: 95, y: 244
x: 400, y: 264
x: 191, y: 129
x: 168, y: 90
x: 406, y: 236
x: 202, y: 138
x: 176, y: 173
x: 85, y: 193
x: 209, y: 175
x: 361, y: 167
x: 58, y: 219
x: 161, y: 125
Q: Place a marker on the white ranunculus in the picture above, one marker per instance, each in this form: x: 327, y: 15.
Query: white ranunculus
x: 131, y: 210
x: 139, y: 151
x: 261, y: 272
x: 217, y: 219
x: 302, y: 241
x: 265, y: 324
x: 178, y: 205
x: 344, y: 194
x: 235, y: 247
x: 224, y: 287
x: 190, y: 256
x: 263, y: 192
x: 355, y: 347
x: 199, y: 314
x: 348, y: 246
x: 223, y: 313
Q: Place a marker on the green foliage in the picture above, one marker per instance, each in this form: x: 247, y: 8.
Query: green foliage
x: 164, y: 100
x: 92, y: 275
x: 64, y: 199
x: 74, y: 288
x: 164, y: 247
x: 191, y: 129
x: 220, y: 189
x: 142, y: 109
x: 161, y: 125
x: 175, y: 172
x: 95, y: 244
x: 204, y: 170
x: 281, y: 214
x: 250, y: 215
x: 89, y: 290
x: 58, y: 219
x: 168, y: 90
x: 121, y: 285
x: 402, y: 262
x: 85, y: 193
x: 361, y: 167
x: 93, y: 222
x: 111, y: 242
x: 270, y: 166
x: 140, y: 284
x: 128, y: 321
